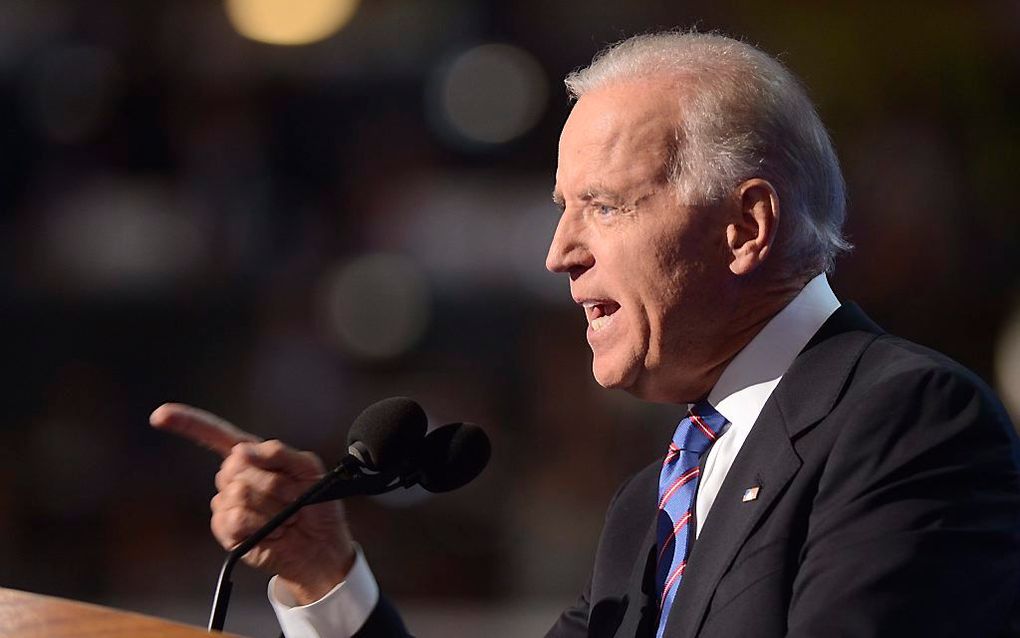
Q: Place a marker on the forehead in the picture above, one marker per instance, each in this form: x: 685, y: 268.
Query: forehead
x: 618, y: 135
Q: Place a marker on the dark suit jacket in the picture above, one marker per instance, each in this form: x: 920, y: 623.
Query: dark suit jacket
x: 889, y: 505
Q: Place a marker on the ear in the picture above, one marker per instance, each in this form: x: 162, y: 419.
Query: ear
x: 752, y: 233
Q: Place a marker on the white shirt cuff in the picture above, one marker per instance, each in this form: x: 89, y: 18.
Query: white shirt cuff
x: 338, y: 614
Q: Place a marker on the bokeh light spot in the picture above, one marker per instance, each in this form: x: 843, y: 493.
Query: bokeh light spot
x: 491, y: 94
x: 1007, y: 364
x: 376, y: 306
x: 120, y: 236
x: 289, y: 22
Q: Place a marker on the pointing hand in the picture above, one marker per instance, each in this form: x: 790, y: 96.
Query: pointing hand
x: 313, y: 551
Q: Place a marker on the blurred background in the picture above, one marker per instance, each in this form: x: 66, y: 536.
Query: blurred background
x: 285, y: 210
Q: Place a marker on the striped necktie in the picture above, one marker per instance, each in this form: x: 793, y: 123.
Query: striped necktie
x: 678, y: 486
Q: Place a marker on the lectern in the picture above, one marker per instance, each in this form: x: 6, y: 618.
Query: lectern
x: 24, y: 615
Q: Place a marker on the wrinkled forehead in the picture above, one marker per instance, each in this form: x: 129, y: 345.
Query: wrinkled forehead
x: 625, y: 128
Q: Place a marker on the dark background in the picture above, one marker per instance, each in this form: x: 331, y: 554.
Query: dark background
x: 285, y: 234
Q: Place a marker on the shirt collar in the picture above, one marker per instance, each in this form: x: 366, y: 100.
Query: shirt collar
x: 749, y: 379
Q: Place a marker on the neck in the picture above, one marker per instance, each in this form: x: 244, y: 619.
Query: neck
x: 742, y: 316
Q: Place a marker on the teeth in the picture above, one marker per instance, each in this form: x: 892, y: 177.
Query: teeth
x: 601, y: 322
x: 596, y: 312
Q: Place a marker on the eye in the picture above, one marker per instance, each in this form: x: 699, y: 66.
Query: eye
x: 605, y: 210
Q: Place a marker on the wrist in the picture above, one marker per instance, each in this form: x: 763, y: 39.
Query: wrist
x: 311, y: 583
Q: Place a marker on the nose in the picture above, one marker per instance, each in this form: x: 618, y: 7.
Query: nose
x: 568, y: 252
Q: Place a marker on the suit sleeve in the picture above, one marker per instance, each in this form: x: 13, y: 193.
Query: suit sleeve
x: 383, y: 622
x: 573, y: 622
x: 914, y: 526
x: 353, y: 609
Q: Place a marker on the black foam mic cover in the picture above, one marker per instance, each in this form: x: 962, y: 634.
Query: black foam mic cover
x: 387, y: 434
x: 452, y: 456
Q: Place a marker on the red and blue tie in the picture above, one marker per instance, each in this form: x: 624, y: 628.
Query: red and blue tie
x: 678, y: 486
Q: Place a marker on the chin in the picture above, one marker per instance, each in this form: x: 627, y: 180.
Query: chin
x: 636, y: 382
x: 612, y: 377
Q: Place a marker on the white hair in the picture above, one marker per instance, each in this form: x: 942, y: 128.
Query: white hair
x: 743, y: 115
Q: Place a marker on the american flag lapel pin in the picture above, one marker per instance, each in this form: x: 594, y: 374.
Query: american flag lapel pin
x: 750, y: 494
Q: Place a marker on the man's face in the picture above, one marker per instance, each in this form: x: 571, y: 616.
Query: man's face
x: 644, y: 267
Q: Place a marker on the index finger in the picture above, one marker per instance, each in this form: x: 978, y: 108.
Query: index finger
x: 200, y: 426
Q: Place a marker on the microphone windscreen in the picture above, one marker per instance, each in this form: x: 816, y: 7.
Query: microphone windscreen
x: 388, y: 433
x: 453, y: 455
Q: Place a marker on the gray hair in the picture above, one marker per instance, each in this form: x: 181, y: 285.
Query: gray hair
x: 744, y: 115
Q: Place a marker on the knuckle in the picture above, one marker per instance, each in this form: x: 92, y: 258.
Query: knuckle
x: 238, y: 491
x: 274, y: 448
x: 236, y: 521
x: 222, y: 480
x: 221, y: 532
x: 231, y: 465
x: 277, y: 484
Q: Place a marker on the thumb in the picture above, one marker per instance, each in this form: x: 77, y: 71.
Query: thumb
x: 199, y: 426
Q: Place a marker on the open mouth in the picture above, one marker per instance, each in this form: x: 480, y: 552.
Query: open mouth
x: 600, y: 313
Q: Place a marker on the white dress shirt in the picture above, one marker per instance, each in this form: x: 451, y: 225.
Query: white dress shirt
x: 739, y: 395
x: 748, y: 381
x: 338, y: 614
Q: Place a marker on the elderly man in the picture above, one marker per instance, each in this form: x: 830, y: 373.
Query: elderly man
x: 829, y: 479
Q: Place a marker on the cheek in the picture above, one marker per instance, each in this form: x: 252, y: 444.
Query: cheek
x: 668, y: 301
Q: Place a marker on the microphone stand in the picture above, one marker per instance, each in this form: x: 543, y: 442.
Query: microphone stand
x: 356, y: 483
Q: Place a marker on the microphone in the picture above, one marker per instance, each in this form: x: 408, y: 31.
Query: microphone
x: 450, y: 457
x: 384, y: 437
x: 382, y: 440
x: 453, y: 456
x: 387, y: 449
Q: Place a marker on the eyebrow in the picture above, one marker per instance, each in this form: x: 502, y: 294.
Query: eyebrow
x: 595, y: 191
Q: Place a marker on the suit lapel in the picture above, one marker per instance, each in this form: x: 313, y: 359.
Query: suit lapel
x: 770, y: 467
x: 767, y: 459
x: 642, y: 612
